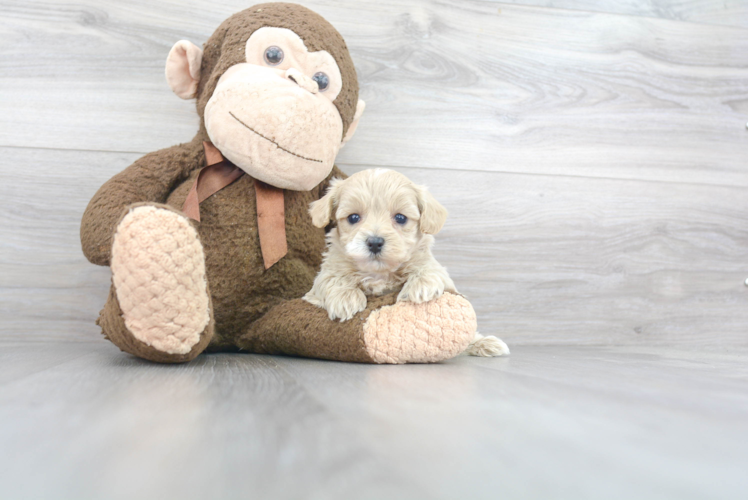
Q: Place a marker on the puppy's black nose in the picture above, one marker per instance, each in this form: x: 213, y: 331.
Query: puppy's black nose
x: 375, y: 244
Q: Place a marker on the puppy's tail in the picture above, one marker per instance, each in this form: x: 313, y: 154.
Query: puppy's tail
x: 486, y: 347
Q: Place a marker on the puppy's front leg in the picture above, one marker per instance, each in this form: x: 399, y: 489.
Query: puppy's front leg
x: 428, y: 281
x: 344, y: 302
x: 339, y: 297
x: 421, y: 288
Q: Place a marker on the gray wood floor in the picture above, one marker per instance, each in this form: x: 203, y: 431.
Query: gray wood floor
x: 592, y: 155
x: 81, y: 420
x: 593, y: 161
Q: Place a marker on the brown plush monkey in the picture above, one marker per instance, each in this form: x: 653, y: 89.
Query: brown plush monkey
x: 210, y: 242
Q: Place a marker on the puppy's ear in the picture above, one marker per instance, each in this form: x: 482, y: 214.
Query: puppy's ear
x: 433, y: 214
x: 322, y: 209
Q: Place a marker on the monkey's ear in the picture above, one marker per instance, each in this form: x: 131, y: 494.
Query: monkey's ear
x: 321, y: 210
x: 183, y: 68
x: 354, y: 124
x: 433, y: 214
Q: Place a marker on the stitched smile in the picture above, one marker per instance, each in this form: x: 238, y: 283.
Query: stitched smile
x: 268, y: 139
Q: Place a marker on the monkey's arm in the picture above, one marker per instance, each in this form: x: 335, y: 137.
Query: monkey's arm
x: 385, y: 331
x: 149, y: 179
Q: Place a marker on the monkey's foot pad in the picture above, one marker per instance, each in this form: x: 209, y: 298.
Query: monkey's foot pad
x: 158, y: 271
x: 420, y: 333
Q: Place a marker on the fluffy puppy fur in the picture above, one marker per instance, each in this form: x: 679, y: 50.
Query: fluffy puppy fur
x: 381, y: 241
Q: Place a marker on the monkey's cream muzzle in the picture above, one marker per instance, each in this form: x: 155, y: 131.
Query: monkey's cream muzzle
x: 277, y: 129
x: 269, y: 115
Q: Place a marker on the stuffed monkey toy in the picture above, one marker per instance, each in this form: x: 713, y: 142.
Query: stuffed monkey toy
x: 210, y: 242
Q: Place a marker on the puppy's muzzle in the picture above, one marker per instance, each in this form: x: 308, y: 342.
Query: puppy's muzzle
x: 375, y: 244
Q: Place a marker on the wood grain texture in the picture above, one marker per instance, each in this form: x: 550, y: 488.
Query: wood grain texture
x: 726, y: 12
x: 554, y: 259
x: 119, y: 427
x: 464, y: 85
x: 544, y: 259
x: 86, y: 421
x: 47, y: 288
x: 594, y: 168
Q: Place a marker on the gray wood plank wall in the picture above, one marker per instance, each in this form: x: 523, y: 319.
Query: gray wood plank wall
x: 726, y: 12
x: 592, y: 154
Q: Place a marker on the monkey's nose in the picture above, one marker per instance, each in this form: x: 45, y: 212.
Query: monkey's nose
x: 302, y: 80
x: 375, y: 244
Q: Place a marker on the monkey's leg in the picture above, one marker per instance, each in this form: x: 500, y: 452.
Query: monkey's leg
x: 158, y: 307
x: 385, y: 332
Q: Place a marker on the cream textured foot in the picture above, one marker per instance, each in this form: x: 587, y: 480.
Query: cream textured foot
x: 420, y: 333
x: 158, y: 270
x: 487, y: 347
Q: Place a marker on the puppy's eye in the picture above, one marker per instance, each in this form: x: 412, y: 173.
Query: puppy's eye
x: 273, y: 55
x: 323, y: 81
x: 354, y: 218
x: 401, y: 219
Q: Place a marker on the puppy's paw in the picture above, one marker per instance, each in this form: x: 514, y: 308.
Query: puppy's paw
x: 420, y: 289
x: 313, y: 299
x: 487, y: 347
x: 344, y: 303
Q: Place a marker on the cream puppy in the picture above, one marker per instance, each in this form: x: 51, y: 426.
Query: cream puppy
x: 381, y: 241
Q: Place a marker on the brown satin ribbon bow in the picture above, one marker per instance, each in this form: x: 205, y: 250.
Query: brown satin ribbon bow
x: 271, y: 216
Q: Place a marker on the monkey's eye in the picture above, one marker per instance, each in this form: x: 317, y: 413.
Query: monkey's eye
x: 354, y: 218
x: 323, y: 81
x: 401, y: 219
x: 273, y: 55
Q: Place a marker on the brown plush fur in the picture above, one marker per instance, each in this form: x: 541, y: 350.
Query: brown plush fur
x: 308, y: 332
x: 226, y: 48
x: 251, y: 308
x: 241, y: 290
